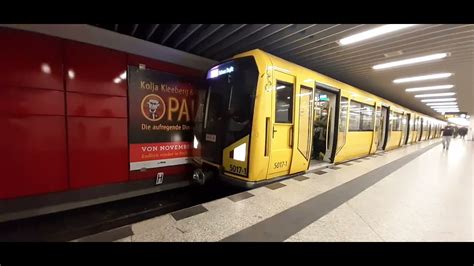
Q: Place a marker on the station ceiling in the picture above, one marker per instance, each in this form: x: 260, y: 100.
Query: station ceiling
x: 315, y: 46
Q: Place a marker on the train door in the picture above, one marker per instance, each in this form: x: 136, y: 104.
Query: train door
x: 414, y: 129
x: 420, y: 132
x: 324, y: 117
x: 382, y: 134
x: 304, y: 116
x: 282, y: 128
x: 408, y: 128
x: 378, y: 126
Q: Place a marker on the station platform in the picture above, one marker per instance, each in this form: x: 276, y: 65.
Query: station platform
x: 419, y: 192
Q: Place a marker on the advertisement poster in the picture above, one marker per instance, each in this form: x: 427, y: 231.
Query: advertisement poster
x: 161, y: 112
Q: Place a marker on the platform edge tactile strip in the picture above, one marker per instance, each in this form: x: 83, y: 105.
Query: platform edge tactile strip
x: 300, y: 178
x: 188, y: 212
x: 275, y: 185
x: 108, y: 236
x: 240, y: 196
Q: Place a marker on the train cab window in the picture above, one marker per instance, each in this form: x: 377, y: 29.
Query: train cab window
x: 229, y: 104
x: 361, y: 117
x: 199, y: 117
x: 284, y: 103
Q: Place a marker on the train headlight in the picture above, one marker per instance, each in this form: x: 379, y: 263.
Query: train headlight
x: 195, y: 143
x: 240, y: 152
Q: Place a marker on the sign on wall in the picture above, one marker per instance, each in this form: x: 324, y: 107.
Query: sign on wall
x: 161, y: 112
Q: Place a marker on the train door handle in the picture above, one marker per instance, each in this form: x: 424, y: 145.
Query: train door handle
x: 274, y: 130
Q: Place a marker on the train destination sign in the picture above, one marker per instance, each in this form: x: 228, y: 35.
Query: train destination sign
x: 219, y: 70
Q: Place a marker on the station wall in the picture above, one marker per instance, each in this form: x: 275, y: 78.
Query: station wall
x: 64, y: 119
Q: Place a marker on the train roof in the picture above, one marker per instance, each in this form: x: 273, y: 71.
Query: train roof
x: 284, y: 64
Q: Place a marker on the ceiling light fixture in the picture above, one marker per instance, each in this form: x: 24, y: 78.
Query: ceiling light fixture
x: 373, y: 33
x: 457, y: 109
x: 438, y: 100
x: 410, y: 61
x: 447, y: 103
x: 446, y: 108
x: 443, y: 107
x: 434, y: 94
x: 424, y: 77
x: 429, y: 88
x: 451, y: 108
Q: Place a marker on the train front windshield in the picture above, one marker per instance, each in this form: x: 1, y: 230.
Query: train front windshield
x: 228, y: 110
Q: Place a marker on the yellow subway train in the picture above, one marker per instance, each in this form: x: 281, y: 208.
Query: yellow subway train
x: 263, y: 118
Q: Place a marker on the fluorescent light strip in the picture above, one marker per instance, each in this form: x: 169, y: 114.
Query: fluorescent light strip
x: 435, y: 94
x: 448, y: 103
x: 373, y: 33
x: 424, y: 77
x: 444, y: 107
x: 410, y: 61
x: 438, y: 100
x: 429, y: 88
x: 454, y: 107
x: 447, y: 108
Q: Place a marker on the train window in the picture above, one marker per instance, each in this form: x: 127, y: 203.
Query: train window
x: 354, y: 116
x: 361, y: 117
x: 396, y: 119
x: 367, y: 117
x: 284, y: 102
x: 199, y: 117
x: 405, y: 125
x: 306, y: 106
x: 343, y: 115
x: 342, y: 125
